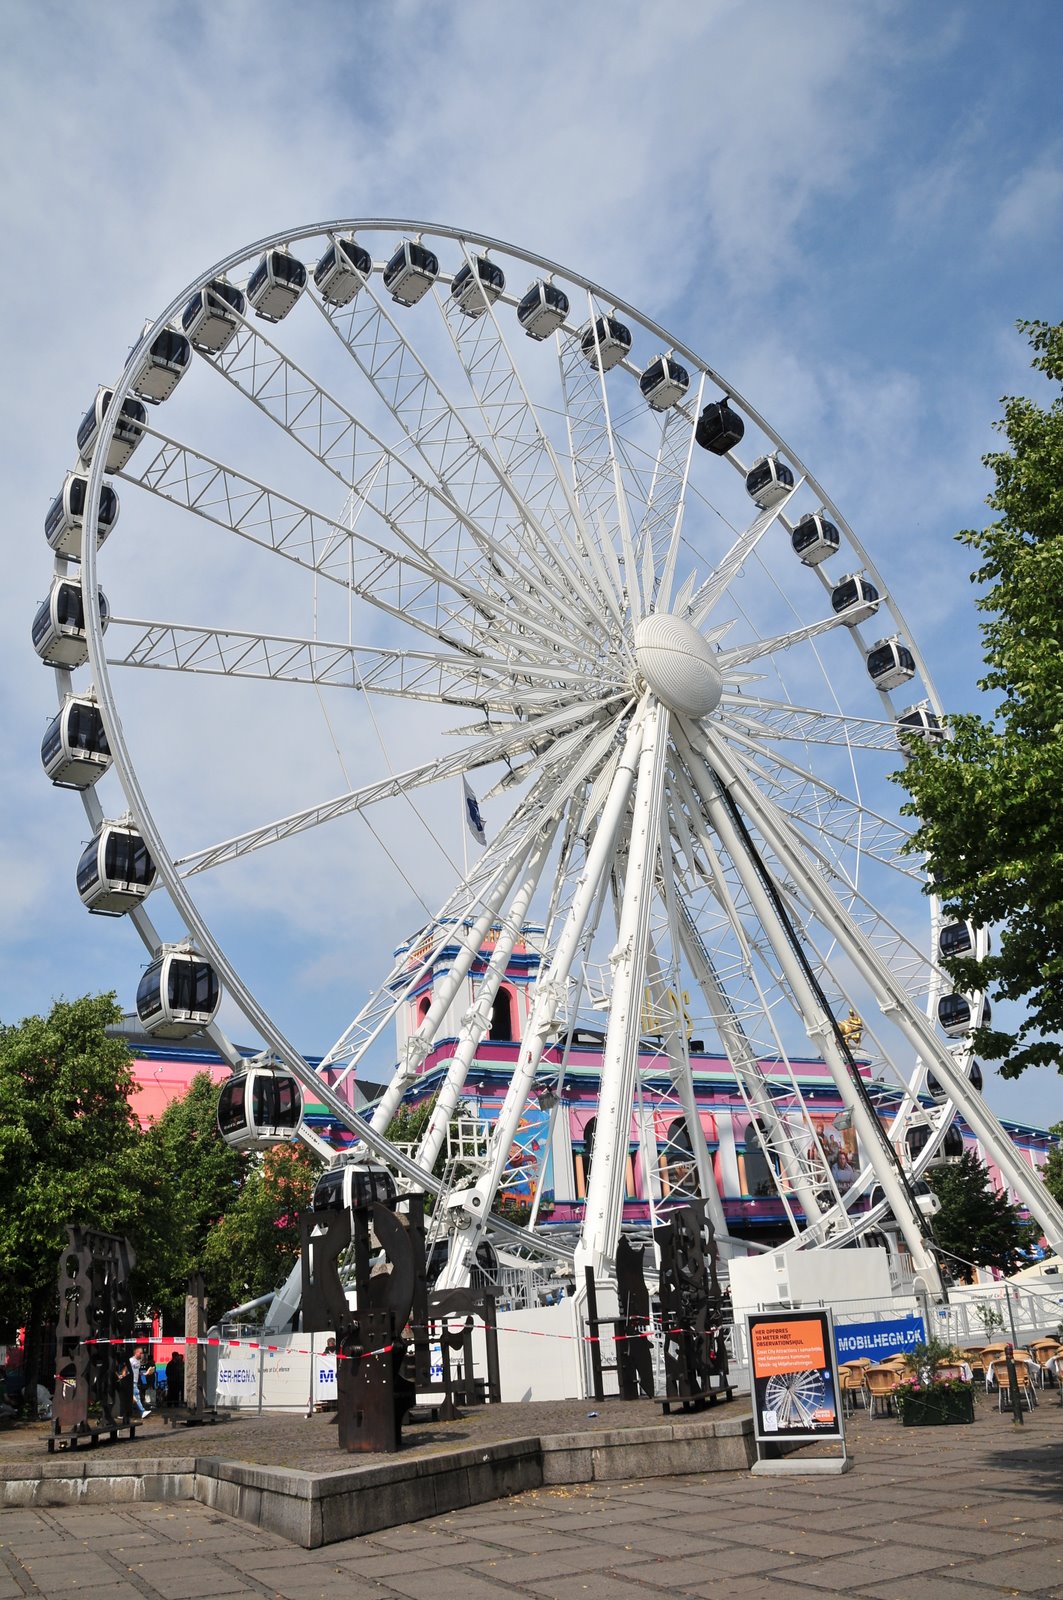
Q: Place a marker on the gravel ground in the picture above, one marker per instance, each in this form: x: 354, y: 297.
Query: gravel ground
x: 309, y: 1444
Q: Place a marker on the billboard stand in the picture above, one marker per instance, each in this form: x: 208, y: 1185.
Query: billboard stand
x: 796, y: 1394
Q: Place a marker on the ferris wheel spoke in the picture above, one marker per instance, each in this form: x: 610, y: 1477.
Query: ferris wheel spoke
x: 906, y: 960
x: 811, y: 800
x: 418, y: 514
x: 546, y: 729
x: 406, y: 584
x: 473, y: 472
x: 707, y: 596
x: 742, y: 655
x: 772, y: 719
x: 523, y: 449
x: 661, y: 526
x: 731, y: 1019
x: 434, y: 677
x: 574, y: 760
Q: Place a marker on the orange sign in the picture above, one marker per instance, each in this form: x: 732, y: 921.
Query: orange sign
x: 781, y: 1347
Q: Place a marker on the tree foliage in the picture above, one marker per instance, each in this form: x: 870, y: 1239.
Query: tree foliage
x: 1052, y: 1172
x: 253, y: 1247
x: 989, y: 798
x: 204, y: 1180
x: 977, y: 1223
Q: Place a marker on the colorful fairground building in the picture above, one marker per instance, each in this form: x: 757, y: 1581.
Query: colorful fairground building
x: 548, y: 1164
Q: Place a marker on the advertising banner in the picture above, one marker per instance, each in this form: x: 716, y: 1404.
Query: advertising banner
x: 795, y: 1377
x: 877, y: 1340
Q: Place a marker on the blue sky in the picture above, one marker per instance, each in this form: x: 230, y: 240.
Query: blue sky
x: 844, y: 207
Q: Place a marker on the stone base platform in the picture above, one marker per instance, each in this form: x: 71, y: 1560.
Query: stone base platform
x: 332, y: 1499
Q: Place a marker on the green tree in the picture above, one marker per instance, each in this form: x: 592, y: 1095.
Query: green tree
x: 976, y: 1222
x: 1052, y: 1172
x: 71, y: 1150
x: 989, y: 797
x: 204, y: 1180
x: 252, y: 1248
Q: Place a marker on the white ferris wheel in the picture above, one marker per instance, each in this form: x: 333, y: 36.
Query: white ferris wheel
x: 411, y: 487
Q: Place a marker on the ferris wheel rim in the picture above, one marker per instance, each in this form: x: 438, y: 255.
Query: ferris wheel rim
x: 124, y: 767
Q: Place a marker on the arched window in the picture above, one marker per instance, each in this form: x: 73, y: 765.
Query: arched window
x: 759, y: 1181
x: 423, y: 1007
x: 502, y: 1015
x: 679, y: 1172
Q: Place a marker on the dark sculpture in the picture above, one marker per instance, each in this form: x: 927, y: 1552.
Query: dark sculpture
x: 94, y: 1387
x: 374, y: 1391
x: 692, y: 1310
x: 634, y: 1358
x: 384, y: 1345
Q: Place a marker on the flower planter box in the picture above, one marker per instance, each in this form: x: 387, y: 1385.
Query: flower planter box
x: 937, y: 1410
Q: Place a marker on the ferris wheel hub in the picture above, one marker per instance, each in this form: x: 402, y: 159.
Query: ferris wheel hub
x: 678, y: 664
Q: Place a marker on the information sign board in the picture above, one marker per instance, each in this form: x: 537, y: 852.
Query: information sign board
x: 795, y: 1376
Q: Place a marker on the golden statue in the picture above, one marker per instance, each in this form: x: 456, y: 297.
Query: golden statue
x: 852, y: 1029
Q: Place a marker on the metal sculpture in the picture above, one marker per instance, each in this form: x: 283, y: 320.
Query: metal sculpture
x: 695, y: 1355
x: 94, y: 1388
x: 634, y: 1355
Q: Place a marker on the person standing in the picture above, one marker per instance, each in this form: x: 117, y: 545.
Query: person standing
x: 136, y: 1367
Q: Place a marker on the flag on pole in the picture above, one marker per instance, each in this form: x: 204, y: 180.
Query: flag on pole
x: 472, y: 814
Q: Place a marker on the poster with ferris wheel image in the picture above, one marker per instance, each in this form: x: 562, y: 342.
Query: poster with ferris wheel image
x: 795, y: 1378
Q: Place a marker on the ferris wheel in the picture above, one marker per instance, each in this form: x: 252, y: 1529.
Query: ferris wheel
x: 405, y: 508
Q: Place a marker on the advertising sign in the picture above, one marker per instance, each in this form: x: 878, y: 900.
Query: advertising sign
x: 795, y: 1378
x: 876, y: 1340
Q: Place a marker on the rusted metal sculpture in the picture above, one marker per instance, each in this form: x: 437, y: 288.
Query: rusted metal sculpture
x: 695, y: 1356
x: 94, y: 1387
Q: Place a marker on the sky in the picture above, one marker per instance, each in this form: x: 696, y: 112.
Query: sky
x: 843, y: 207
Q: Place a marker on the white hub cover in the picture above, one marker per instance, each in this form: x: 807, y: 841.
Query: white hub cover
x: 678, y: 665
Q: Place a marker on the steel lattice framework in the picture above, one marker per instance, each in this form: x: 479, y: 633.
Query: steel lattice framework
x: 504, y: 525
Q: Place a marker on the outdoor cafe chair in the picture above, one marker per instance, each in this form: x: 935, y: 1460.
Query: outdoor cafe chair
x: 1022, y: 1376
x: 854, y: 1390
x: 1044, y: 1352
x: 882, y: 1383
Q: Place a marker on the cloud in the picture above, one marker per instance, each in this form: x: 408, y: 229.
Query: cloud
x: 1031, y: 205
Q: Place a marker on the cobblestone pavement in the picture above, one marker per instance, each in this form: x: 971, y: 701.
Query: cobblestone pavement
x: 930, y: 1514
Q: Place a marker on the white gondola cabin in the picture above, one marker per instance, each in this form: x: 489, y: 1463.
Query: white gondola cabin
x: 542, y: 310
x: 59, y: 636
x: 342, y: 271
x: 65, y: 520
x: 918, y: 725
x: 957, y: 1014
x: 814, y: 539
x: 926, y: 1201
x: 74, y: 750
x: 477, y: 286
x: 354, y: 1184
x: 890, y: 663
x: 854, y: 599
x: 260, y: 1108
x: 275, y: 285
x: 719, y: 427
x: 411, y: 272
x: 956, y: 939
x: 115, y: 871
x: 168, y: 358
x: 178, y: 994
x: 664, y: 383
x: 974, y: 1078
x: 212, y: 316
x: 768, y: 481
x: 606, y: 342
x: 127, y: 434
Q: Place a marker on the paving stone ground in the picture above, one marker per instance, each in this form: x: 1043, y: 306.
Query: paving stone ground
x: 926, y: 1514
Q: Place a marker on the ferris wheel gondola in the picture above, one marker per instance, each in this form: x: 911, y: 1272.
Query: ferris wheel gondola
x: 178, y: 994
x: 66, y: 515
x: 259, y: 1108
x: 656, y: 695
x: 58, y: 631
x: 115, y: 871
